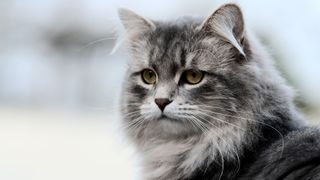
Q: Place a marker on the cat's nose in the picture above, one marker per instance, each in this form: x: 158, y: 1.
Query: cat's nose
x: 162, y: 102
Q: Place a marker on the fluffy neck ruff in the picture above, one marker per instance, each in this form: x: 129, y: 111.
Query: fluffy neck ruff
x: 179, y: 159
x: 224, y: 152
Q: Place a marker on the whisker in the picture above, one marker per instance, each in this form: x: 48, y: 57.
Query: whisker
x: 200, y: 124
x: 95, y: 42
x: 235, y: 152
x: 220, y: 120
x: 219, y: 150
x: 192, y: 121
x: 253, y: 120
x: 134, y: 123
x: 130, y: 113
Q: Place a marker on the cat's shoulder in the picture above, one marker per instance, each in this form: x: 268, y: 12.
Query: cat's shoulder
x: 296, y: 156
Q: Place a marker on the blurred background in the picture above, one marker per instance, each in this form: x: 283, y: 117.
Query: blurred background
x: 60, y: 78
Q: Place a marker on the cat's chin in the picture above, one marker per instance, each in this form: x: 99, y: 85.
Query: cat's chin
x: 166, y: 126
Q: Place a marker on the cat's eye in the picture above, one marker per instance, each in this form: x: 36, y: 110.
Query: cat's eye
x: 193, y: 77
x: 149, y: 76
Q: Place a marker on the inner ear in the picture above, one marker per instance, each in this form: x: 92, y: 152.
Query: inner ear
x: 227, y: 22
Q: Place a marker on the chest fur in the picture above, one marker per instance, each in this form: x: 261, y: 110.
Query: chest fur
x: 174, y: 160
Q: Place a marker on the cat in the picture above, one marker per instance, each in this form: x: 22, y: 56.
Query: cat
x: 202, y: 100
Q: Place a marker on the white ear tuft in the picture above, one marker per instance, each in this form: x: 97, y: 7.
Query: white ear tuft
x: 227, y: 21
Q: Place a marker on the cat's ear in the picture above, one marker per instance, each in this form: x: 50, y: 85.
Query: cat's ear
x: 227, y: 22
x: 134, y: 23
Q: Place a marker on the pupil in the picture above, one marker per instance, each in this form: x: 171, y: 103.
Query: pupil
x: 194, y: 75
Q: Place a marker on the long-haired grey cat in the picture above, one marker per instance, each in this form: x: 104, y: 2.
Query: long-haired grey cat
x: 202, y: 100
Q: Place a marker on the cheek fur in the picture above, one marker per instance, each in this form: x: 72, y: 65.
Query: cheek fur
x: 149, y: 110
x: 138, y: 92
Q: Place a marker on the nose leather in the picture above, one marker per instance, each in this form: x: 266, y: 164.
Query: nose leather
x: 162, y: 102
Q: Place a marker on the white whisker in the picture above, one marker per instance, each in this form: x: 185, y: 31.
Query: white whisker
x: 95, y: 42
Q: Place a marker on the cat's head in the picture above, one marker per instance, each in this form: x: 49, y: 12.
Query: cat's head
x: 187, y: 76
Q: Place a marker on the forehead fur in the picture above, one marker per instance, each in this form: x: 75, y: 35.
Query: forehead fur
x: 179, y: 44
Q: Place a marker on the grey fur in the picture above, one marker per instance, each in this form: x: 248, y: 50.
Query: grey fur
x: 219, y: 128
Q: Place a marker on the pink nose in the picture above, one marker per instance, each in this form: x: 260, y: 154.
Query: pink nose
x: 162, y: 103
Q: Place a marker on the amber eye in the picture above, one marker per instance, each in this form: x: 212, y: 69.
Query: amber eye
x: 148, y: 76
x: 193, y: 77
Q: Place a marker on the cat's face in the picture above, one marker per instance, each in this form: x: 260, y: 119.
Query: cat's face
x: 183, y: 77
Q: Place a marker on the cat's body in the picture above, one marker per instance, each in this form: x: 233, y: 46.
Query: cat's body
x: 203, y: 101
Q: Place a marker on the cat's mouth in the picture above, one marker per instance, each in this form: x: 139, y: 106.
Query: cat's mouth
x: 164, y: 117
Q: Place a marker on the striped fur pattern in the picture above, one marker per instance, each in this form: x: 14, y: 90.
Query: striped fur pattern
x: 212, y: 130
